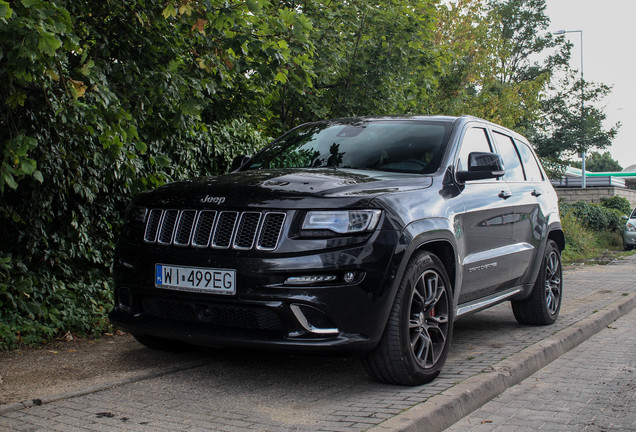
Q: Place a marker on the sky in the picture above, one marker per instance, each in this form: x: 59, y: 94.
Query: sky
x: 609, y: 57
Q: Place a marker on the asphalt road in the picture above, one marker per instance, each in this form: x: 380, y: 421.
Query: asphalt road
x: 247, y: 390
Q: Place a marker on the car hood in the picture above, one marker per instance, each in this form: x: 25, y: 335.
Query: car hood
x: 306, y: 188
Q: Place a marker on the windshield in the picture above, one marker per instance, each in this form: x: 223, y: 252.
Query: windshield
x: 412, y: 146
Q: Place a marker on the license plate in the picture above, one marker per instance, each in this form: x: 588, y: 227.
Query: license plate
x: 195, y: 279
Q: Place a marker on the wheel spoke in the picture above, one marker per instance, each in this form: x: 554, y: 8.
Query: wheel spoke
x: 439, y: 319
x: 438, y: 339
x: 422, y: 347
x: 416, y: 321
x: 432, y: 282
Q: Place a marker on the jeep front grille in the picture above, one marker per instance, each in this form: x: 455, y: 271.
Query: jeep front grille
x: 219, y: 230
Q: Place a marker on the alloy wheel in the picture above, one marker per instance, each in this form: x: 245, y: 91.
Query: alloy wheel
x: 553, y: 282
x: 428, y: 319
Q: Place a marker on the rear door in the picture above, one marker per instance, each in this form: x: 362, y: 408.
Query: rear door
x: 524, y: 201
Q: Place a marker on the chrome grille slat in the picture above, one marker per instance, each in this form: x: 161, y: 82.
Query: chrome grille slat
x: 184, y: 227
x: 224, y: 230
x: 203, y: 229
x: 271, y: 230
x: 150, y: 235
x: 246, y: 231
x: 168, y: 222
x: 260, y: 230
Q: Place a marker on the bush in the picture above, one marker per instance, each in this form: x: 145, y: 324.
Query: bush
x: 594, y: 216
x: 617, y: 203
x: 589, y: 229
x: 89, y: 119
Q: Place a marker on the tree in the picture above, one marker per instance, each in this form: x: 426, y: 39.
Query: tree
x: 491, y: 73
x: 599, y: 162
x: 561, y: 131
x: 371, y: 58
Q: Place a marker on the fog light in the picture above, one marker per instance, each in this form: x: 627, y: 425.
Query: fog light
x: 349, y: 277
x: 301, y: 280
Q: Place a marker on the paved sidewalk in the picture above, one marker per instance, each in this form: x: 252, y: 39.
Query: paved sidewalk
x: 591, y: 388
x: 246, y: 390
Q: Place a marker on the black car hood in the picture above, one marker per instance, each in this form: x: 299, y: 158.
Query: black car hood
x: 283, y: 188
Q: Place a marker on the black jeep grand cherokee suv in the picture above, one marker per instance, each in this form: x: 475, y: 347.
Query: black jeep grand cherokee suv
x: 364, y: 234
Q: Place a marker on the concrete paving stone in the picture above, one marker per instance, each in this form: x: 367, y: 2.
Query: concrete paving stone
x: 9, y: 424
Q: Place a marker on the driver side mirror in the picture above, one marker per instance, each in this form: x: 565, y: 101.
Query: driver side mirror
x: 482, y: 165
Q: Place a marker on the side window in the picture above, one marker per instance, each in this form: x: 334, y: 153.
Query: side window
x: 475, y: 140
x: 530, y: 165
x: 512, y: 164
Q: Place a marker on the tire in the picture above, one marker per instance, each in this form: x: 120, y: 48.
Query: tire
x: 162, y: 344
x: 415, y: 343
x: 543, y: 305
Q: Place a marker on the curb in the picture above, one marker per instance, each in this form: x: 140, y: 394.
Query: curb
x: 443, y: 410
x: 96, y: 388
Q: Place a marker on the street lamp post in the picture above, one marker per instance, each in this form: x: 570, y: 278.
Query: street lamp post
x: 562, y: 32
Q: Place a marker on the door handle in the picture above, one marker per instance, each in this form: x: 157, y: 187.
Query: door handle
x: 505, y: 194
x: 535, y: 193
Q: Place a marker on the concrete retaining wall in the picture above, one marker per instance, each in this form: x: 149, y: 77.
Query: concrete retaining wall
x: 594, y: 194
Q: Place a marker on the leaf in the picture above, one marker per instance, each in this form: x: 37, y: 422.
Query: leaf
x: 141, y: 147
x: 49, y: 43
x: 27, y: 166
x: 169, y: 11
x: 9, y: 180
x: 5, y: 11
x: 38, y: 176
x: 29, y: 3
x: 162, y: 161
x: 199, y: 25
x: 281, y: 77
x: 185, y: 9
x: 78, y: 87
x: 254, y: 6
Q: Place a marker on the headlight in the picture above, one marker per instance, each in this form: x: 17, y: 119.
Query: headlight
x: 342, y: 221
x: 630, y: 227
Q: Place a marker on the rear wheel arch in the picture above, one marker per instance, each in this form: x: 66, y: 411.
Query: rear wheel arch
x: 556, y: 235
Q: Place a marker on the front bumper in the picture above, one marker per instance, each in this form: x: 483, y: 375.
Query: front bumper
x: 629, y: 238
x: 265, y: 312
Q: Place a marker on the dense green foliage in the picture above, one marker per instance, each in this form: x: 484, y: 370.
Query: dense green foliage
x: 617, y: 203
x: 101, y: 99
x: 598, y: 162
x: 564, y: 130
x: 591, y: 229
x: 597, y: 217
